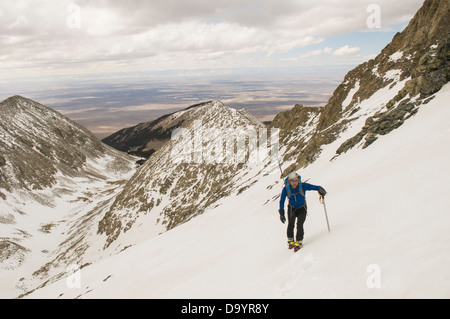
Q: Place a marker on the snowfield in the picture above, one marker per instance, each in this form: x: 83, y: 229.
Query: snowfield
x: 388, y: 209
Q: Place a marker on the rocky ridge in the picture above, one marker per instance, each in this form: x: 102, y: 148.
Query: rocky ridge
x: 53, y: 173
x: 38, y: 143
x: 408, y: 71
x: 145, y: 138
x: 189, y: 173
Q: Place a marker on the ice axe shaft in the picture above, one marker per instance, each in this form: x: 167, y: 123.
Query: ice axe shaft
x: 322, y: 200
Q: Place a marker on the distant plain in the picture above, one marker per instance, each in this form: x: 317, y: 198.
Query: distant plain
x: 111, y: 102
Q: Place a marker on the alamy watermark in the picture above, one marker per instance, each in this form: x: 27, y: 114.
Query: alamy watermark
x: 73, y: 280
x: 73, y: 20
x: 374, y: 19
x: 231, y: 146
x: 374, y: 278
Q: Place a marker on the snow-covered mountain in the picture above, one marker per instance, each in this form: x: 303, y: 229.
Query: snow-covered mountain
x: 199, y: 218
x: 207, y: 158
x: 145, y: 138
x: 100, y: 200
x: 413, y: 67
x: 388, y: 212
x: 52, y: 172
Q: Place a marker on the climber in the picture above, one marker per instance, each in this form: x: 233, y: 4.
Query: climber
x: 295, y: 190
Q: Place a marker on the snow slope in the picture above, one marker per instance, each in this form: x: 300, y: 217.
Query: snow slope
x: 388, y: 211
x: 55, y: 179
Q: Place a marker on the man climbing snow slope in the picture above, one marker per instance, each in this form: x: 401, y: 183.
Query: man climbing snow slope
x: 295, y: 190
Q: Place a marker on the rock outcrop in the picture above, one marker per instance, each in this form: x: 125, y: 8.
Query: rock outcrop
x: 405, y: 75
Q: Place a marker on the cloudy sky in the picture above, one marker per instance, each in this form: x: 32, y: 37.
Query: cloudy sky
x: 54, y: 37
x: 110, y: 64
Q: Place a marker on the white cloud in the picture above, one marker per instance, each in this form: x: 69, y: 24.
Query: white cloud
x: 346, y: 50
x: 133, y: 34
x: 312, y: 53
x: 317, y: 52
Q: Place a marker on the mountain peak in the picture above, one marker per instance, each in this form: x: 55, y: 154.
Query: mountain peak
x: 49, y: 165
x: 147, y: 137
x: 15, y: 98
x: 38, y: 142
x: 187, y: 173
x: 19, y: 100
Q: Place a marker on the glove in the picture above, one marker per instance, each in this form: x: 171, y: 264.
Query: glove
x: 322, y: 192
x: 282, y: 218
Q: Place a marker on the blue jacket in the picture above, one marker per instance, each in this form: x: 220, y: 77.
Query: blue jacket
x: 297, y: 198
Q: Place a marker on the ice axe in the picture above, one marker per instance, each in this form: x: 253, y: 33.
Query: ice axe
x: 322, y: 201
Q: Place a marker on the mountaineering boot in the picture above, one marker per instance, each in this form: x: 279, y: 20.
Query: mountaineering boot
x: 298, y: 245
x: 291, y: 243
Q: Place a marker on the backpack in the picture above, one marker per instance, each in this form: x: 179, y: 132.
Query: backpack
x: 300, y: 190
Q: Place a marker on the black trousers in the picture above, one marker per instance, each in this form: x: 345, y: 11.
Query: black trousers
x: 299, y: 215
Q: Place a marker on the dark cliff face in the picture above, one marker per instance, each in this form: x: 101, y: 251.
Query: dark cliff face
x: 143, y: 139
x: 147, y: 137
x: 419, y: 56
